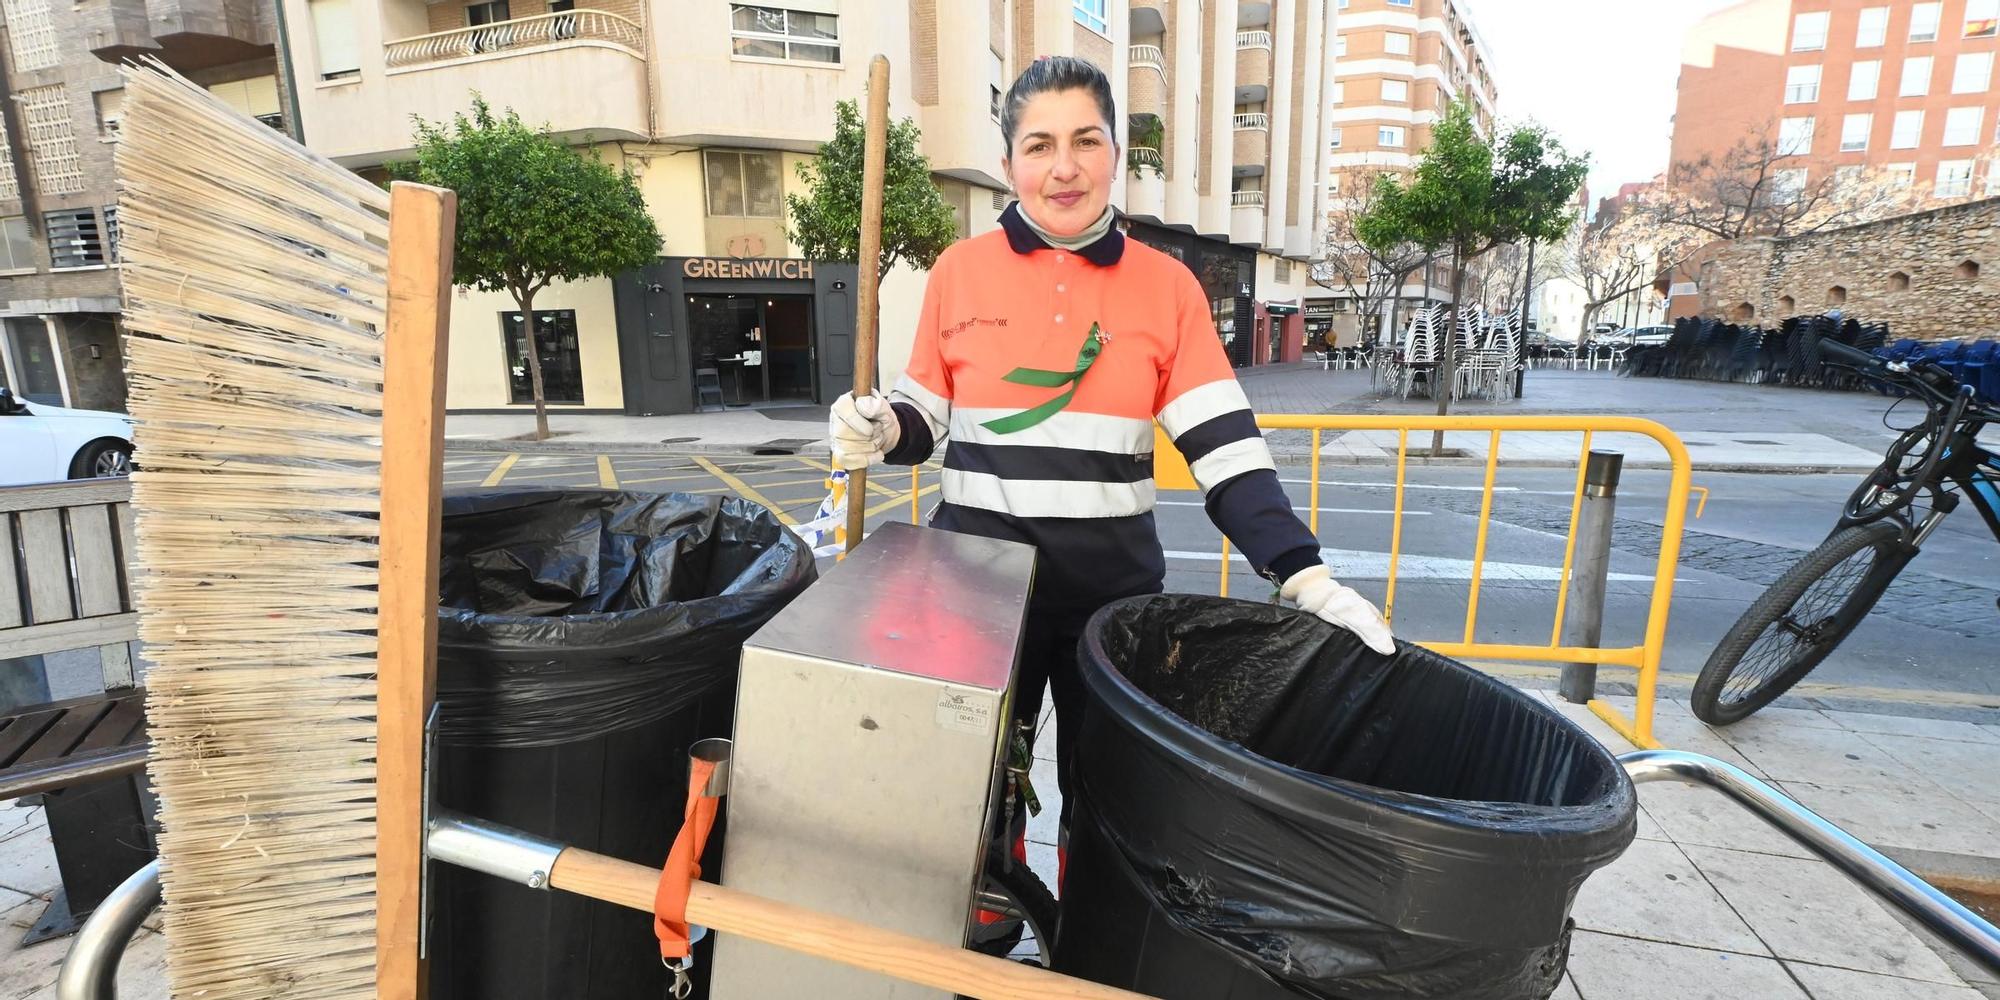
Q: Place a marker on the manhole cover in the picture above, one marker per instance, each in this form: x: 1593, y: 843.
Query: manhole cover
x: 678, y: 440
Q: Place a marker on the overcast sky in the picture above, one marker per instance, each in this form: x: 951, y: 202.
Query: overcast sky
x: 1599, y: 72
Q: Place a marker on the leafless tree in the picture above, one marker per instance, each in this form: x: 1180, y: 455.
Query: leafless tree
x: 1754, y: 190
x: 1622, y: 252
x: 1370, y: 278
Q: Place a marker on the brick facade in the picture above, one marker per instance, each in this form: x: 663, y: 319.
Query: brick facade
x: 1930, y: 275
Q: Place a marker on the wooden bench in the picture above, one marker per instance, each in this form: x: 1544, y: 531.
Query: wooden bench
x: 64, y: 550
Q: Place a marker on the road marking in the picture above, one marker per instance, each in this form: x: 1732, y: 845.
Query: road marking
x: 817, y: 480
x: 1810, y: 689
x: 668, y: 479
x: 745, y: 490
x: 901, y: 500
x: 1302, y: 510
x: 1408, y: 486
x: 886, y: 491
x: 500, y: 472
x: 1364, y: 565
x: 606, y: 477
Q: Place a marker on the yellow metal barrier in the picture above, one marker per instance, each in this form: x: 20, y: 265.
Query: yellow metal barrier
x: 1643, y: 658
x: 1170, y: 472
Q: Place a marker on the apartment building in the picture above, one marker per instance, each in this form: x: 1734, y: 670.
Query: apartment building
x: 59, y: 290
x: 1846, y: 85
x: 1228, y: 154
x: 714, y: 105
x: 1397, y: 65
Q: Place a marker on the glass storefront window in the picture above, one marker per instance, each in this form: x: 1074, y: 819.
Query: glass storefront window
x: 556, y: 343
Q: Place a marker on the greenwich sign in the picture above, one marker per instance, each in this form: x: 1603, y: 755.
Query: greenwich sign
x: 723, y: 267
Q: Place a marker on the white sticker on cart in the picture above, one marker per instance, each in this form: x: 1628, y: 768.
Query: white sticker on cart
x: 965, y: 711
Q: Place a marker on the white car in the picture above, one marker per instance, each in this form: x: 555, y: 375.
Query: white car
x: 43, y: 444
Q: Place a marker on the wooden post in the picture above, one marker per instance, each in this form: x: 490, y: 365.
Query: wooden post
x: 868, y: 304
x: 422, y: 221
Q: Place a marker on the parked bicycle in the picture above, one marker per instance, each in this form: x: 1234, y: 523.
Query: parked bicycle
x: 1803, y: 617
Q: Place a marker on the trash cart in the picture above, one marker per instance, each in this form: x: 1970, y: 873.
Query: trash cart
x: 585, y: 640
x: 1267, y: 809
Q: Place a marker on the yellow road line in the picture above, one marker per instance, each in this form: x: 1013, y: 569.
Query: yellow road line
x: 668, y: 479
x: 745, y: 490
x: 500, y: 472
x: 816, y: 480
x: 872, y: 484
x: 899, y: 500
x: 605, y: 476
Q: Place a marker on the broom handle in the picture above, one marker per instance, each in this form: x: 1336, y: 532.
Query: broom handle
x: 900, y: 956
x: 422, y: 221
x: 868, y: 301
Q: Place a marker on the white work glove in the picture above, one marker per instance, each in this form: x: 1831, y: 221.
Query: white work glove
x: 1315, y: 590
x: 861, y: 431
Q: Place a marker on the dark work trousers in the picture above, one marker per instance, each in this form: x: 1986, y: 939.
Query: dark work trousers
x: 1049, y: 658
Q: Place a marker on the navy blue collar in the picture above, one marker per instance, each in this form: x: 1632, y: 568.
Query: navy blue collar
x: 1103, y: 252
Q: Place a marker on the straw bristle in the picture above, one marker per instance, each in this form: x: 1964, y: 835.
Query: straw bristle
x: 255, y: 287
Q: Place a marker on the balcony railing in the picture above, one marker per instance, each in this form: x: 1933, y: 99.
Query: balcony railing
x: 1148, y: 55
x: 1253, y: 39
x: 540, y: 31
x: 1246, y: 199
x: 1255, y: 119
x: 1138, y: 159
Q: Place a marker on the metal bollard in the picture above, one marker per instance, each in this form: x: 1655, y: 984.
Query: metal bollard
x: 1584, y: 625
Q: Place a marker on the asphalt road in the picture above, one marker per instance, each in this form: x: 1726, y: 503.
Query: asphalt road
x: 1929, y: 648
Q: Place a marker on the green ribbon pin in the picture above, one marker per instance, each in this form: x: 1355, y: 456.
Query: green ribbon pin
x: 1093, y: 344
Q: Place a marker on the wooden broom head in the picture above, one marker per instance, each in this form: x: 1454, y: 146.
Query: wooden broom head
x: 255, y: 290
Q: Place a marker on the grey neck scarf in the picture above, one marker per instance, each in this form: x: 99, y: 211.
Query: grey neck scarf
x: 1090, y: 235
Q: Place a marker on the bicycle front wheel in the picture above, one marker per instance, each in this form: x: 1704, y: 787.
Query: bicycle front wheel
x: 1798, y: 621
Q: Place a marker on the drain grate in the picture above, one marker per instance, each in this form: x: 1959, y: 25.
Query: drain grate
x: 1774, y: 444
x: 678, y: 440
x: 781, y: 446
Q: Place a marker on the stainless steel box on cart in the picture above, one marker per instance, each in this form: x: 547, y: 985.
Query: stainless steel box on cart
x: 870, y: 718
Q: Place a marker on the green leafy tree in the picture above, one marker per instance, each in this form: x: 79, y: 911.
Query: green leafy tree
x: 1466, y: 196
x: 531, y: 211
x: 826, y: 224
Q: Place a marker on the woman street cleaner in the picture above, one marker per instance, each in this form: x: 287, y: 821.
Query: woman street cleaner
x: 1044, y: 352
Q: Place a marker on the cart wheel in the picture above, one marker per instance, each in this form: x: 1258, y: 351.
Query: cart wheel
x: 1027, y: 911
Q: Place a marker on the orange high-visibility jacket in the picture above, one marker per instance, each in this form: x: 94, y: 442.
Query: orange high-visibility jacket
x: 1078, y: 484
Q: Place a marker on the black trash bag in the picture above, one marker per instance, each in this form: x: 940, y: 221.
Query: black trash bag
x: 599, y: 609
x: 1266, y: 808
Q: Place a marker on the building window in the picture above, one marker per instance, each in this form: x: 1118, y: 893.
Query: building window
x: 555, y: 342
x: 1802, y: 85
x: 1809, y: 32
x: 1795, y: 137
x: 1334, y: 140
x: 110, y: 216
x: 334, y: 44
x: 1962, y: 126
x: 1340, y: 45
x: 1874, y: 28
x: 1854, y: 131
x: 1972, y: 71
x: 51, y: 140
x: 776, y: 33
x: 256, y: 97
x: 1954, y: 179
x: 110, y: 112
x: 1390, y: 135
x: 481, y: 14
x: 1788, y: 185
x: 1863, y: 79
x: 744, y: 184
x: 1982, y: 18
x: 1901, y: 175
x: 1924, y: 18
x: 31, y: 34
x: 17, y: 246
x: 996, y: 78
x: 74, y: 239
x: 1916, y: 77
x: 1281, y: 270
x: 1092, y: 14
x: 1908, y: 129
x: 1396, y: 43
x: 1395, y: 91
x: 1340, y: 93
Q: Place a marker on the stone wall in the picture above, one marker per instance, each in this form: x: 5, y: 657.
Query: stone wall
x: 1929, y: 275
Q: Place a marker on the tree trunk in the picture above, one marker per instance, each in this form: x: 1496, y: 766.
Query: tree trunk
x: 1448, y: 351
x: 1521, y: 348
x: 526, y: 300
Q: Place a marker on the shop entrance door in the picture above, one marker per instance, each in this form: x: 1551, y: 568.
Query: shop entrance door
x: 759, y: 346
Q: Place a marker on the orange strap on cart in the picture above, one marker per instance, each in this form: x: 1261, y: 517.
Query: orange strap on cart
x: 684, y: 864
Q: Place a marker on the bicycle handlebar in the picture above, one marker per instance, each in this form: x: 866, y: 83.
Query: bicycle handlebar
x: 1847, y: 355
